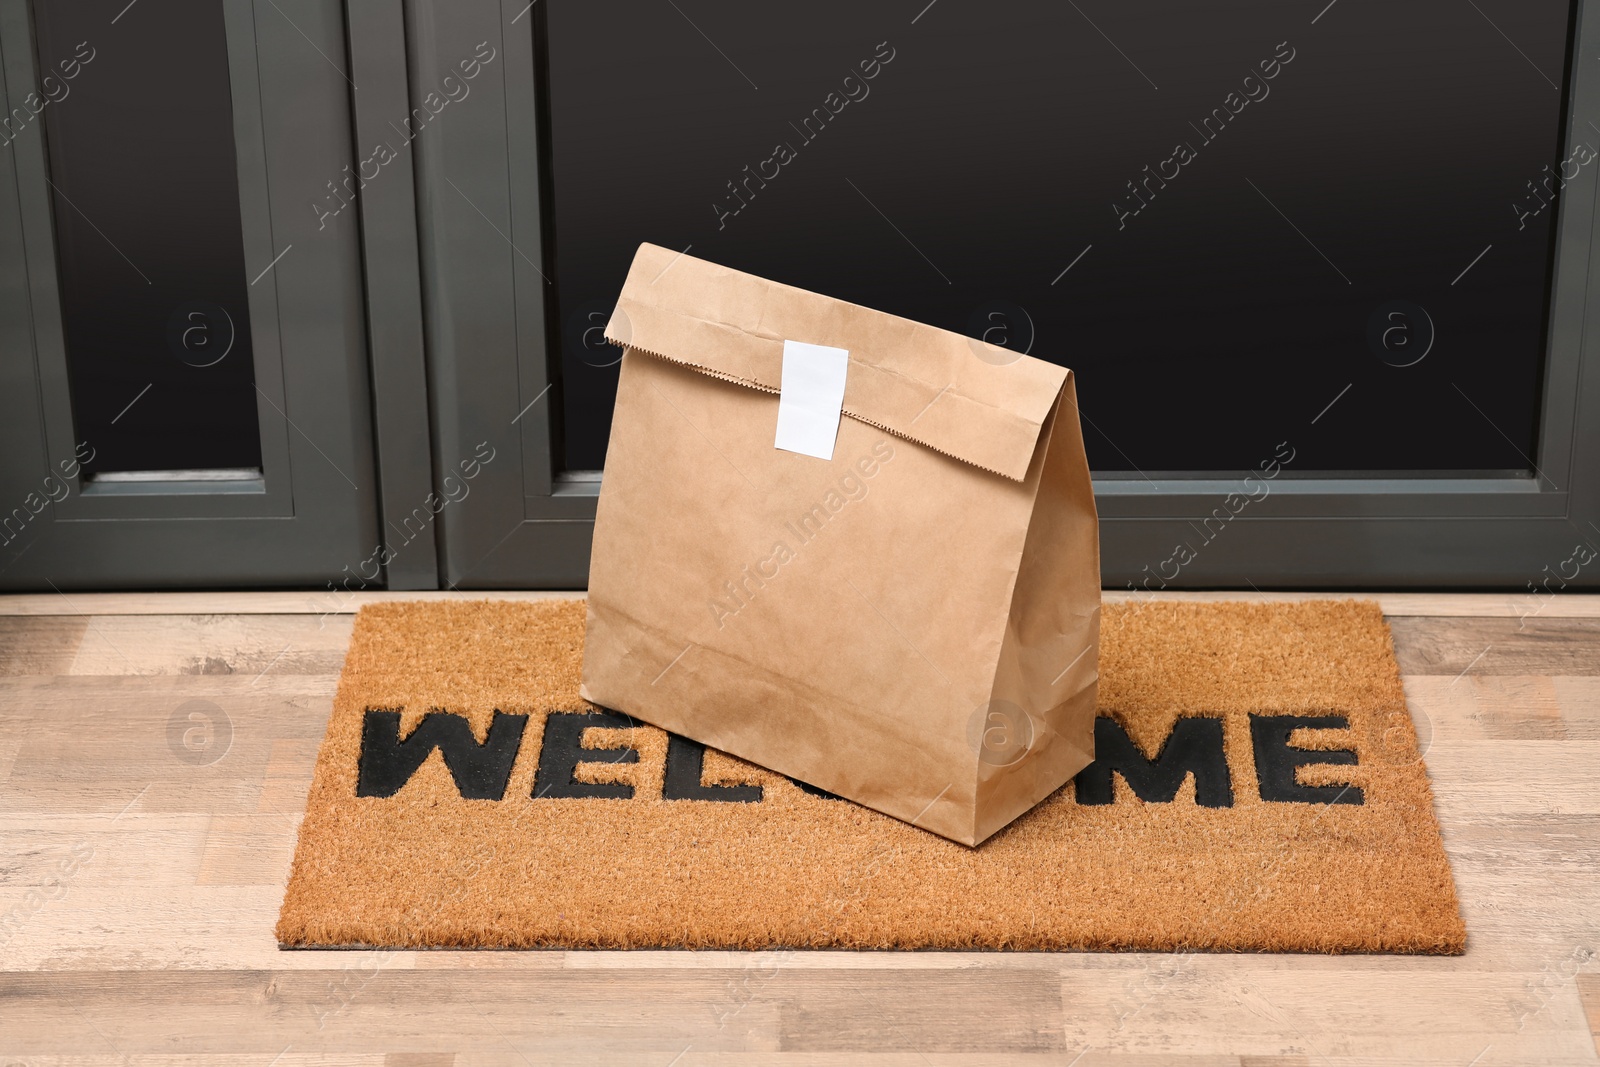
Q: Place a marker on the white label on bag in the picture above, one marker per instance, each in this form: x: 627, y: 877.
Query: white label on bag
x: 810, y: 398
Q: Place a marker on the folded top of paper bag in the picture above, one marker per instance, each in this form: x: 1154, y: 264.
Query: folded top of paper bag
x: 910, y: 379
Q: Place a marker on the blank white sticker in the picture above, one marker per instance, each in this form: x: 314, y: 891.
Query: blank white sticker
x: 810, y: 398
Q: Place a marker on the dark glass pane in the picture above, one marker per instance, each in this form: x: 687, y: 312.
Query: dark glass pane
x: 146, y: 203
x: 1328, y: 210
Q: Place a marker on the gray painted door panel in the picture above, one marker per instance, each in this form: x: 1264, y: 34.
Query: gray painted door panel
x: 311, y: 513
x: 485, y: 287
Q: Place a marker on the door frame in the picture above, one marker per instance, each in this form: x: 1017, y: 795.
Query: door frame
x: 480, y: 202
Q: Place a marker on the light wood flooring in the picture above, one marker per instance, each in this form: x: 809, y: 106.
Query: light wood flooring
x: 142, y: 865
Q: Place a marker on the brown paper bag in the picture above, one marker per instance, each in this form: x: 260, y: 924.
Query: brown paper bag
x: 912, y: 624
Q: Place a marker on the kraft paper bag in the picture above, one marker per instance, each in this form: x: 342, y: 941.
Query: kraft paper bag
x: 912, y: 623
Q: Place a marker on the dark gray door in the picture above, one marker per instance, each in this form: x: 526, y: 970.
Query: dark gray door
x: 230, y: 229
x: 1308, y: 446
x: 184, y: 376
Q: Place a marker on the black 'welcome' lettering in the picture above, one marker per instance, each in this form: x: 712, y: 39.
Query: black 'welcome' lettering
x: 482, y: 770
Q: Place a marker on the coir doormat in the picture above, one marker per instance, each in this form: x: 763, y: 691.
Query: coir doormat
x: 1257, y: 787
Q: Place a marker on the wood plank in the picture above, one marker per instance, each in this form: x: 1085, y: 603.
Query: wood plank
x: 1516, y: 777
x: 370, y: 1007
x: 1512, y: 605
x: 868, y: 1011
x: 596, y: 1056
x: 1267, y: 1008
x: 280, y: 1058
x: 35, y: 645
x: 321, y: 603
x: 1509, y: 707
x: 593, y: 1056
x: 1546, y: 645
x: 187, y: 743
x: 1589, y: 993
x: 248, y: 645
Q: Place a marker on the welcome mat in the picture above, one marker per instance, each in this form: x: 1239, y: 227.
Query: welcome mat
x: 1257, y: 787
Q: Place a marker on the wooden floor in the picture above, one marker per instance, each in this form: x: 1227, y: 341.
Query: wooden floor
x: 155, y: 754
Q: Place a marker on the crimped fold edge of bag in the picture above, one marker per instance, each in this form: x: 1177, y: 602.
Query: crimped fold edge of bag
x: 915, y: 381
